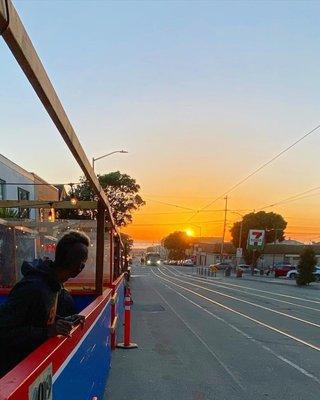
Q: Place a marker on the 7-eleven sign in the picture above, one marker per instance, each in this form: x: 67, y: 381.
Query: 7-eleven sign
x: 256, y: 239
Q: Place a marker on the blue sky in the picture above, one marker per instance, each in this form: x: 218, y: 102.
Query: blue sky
x: 199, y: 93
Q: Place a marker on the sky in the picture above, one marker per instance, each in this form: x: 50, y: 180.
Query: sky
x: 200, y: 93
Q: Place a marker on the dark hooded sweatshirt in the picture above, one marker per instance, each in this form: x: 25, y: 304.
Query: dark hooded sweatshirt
x: 30, y: 307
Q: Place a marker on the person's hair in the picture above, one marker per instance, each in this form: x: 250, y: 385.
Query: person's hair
x: 65, y: 245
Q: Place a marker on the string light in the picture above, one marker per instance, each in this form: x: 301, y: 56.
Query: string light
x: 73, y: 199
x: 51, y: 215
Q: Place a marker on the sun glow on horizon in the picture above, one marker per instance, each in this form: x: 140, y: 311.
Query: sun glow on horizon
x: 189, y: 232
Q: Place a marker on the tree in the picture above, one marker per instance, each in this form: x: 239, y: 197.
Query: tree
x: 272, y: 223
x: 177, y: 243
x: 127, y: 243
x: 306, y: 267
x: 121, y: 190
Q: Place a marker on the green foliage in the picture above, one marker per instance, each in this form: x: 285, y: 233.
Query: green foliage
x: 127, y: 243
x: 176, y: 243
x: 121, y: 190
x: 306, y: 267
x: 8, y: 213
x: 272, y: 223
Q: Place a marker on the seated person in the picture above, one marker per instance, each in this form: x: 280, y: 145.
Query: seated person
x: 29, y: 316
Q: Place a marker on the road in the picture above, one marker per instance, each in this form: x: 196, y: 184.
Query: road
x: 219, y: 339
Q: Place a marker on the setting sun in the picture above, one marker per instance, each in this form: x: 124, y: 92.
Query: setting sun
x: 189, y: 232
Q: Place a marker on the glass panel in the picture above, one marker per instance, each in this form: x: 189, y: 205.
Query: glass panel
x: 23, y: 195
x: 31, y: 240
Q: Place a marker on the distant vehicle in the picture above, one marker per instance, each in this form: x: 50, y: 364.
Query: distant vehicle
x: 222, y: 265
x: 172, y: 262
x: 247, y: 269
x: 153, y: 259
x: 281, y: 269
x: 188, y: 263
x: 293, y: 273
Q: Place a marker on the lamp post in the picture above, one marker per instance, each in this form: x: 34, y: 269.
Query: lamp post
x: 274, y: 241
x: 106, y: 155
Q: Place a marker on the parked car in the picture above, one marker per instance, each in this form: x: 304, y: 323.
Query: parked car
x: 247, y: 269
x: 294, y: 272
x: 281, y: 269
x: 222, y: 265
x: 188, y: 263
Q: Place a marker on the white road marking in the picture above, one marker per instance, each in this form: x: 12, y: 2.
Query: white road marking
x: 272, y: 328
x: 266, y: 291
x: 218, y: 284
x: 247, y: 302
x: 278, y: 356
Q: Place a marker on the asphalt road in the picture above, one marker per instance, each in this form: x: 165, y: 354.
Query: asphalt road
x: 218, y: 339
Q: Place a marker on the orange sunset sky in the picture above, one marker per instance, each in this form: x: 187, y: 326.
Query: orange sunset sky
x: 199, y: 96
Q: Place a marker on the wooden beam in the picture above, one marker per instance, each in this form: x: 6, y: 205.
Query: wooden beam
x: 83, y: 205
x: 3, y: 16
x: 22, y: 48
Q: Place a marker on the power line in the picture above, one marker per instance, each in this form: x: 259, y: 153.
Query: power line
x: 38, y: 184
x: 297, y: 199
x: 297, y: 196
x: 182, y: 212
x: 170, y: 204
x: 293, y: 197
x: 177, y: 223
x: 258, y: 169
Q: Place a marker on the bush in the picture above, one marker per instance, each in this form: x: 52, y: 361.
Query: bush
x: 306, y: 267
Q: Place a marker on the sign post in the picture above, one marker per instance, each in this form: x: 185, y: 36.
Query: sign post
x: 239, y: 253
x: 255, y: 242
x: 256, y: 239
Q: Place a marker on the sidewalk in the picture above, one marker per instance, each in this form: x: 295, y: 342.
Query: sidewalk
x: 263, y: 279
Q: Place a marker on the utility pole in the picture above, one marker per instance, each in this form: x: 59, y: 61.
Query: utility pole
x: 224, y: 227
x: 274, y: 242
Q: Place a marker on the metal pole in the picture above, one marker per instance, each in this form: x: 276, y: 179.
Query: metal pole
x: 240, y: 240
x: 111, y: 256
x: 240, y: 235
x: 93, y: 163
x: 274, y: 242
x: 100, y: 247
x: 224, y: 226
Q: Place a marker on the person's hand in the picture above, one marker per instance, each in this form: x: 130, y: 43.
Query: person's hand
x: 76, y: 319
x: 60, y: 327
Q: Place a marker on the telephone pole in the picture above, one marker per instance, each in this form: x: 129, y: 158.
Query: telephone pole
x: 224, y: 226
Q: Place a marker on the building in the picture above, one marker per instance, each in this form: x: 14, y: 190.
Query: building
x: 206, y: 254
x: 18, y: 184
x: 44, y: 191
x: 281, y: 252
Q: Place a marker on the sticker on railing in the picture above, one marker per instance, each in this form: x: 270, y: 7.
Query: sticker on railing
x: 41, y: 388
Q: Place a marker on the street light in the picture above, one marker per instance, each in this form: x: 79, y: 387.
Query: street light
x: 274, y: 241
x: 106, y: 155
